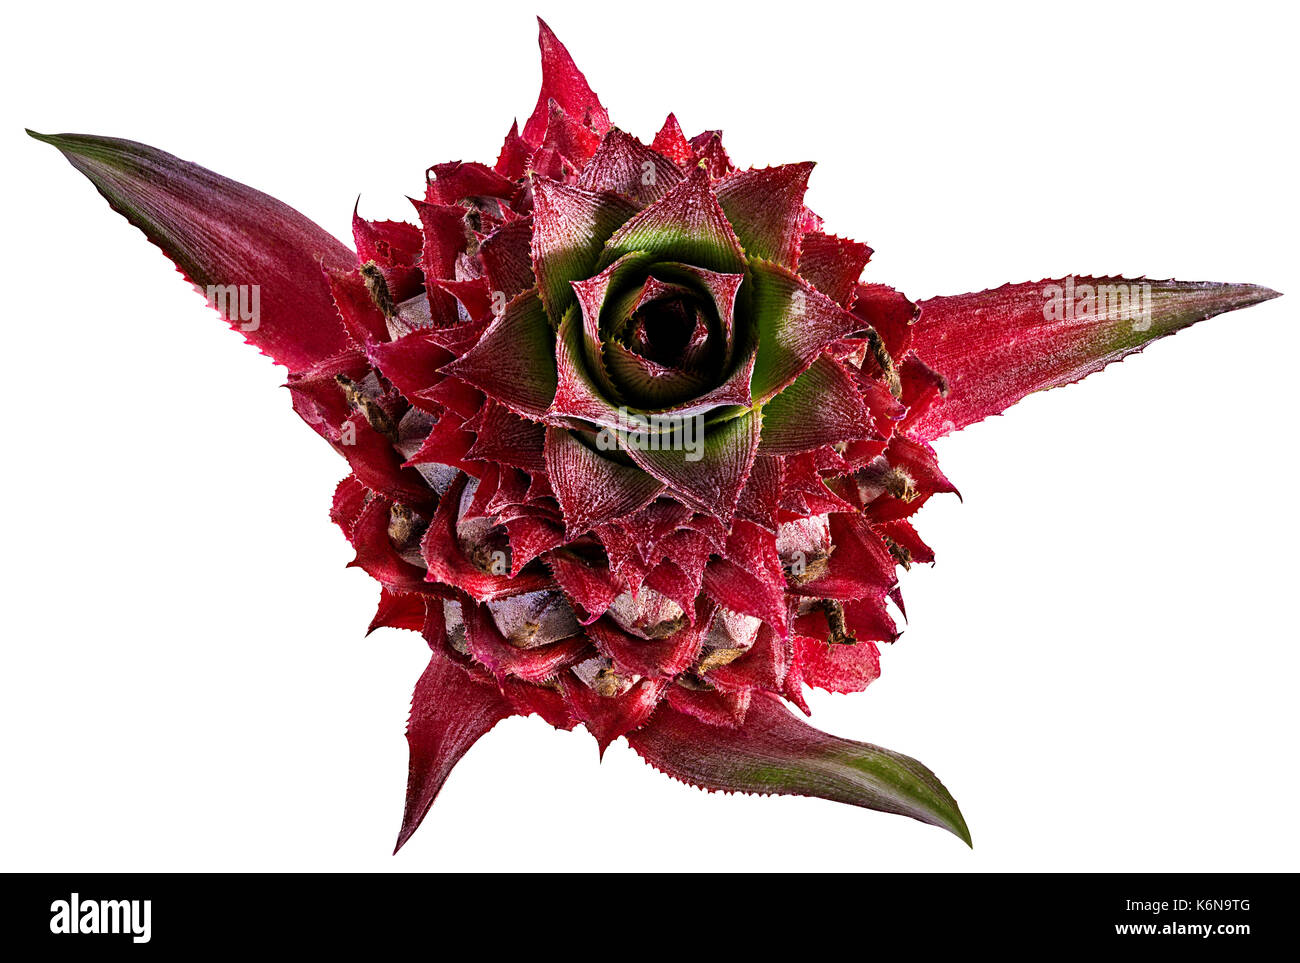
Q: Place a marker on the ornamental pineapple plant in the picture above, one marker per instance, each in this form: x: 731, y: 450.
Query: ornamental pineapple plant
x: 631, y: 444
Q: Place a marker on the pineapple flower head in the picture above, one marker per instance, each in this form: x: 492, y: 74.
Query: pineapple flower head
x: 630, y: 442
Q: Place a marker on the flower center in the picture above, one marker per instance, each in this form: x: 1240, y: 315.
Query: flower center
x: 663, y: 330
x: 660, y: 347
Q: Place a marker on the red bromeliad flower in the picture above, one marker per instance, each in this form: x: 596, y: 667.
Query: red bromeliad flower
x: 630, y: 442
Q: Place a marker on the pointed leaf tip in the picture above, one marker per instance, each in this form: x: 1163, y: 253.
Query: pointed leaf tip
x: 995, y: 347
x: 775, y: 752
x: 449, y: 713
x: 564, y: 83
x: 256, y: 259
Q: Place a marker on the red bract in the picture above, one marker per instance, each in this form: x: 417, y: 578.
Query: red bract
x: 630, y: 442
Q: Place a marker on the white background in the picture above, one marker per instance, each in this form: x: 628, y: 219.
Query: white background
x: 1103, y: 664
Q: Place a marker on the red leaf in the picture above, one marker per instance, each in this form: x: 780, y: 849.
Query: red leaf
x: 399, y: 610
x: 411, y: 363
x: 821, y: 407
x: 672, y: 143
x: 838, y: 668
x: 218, y: 233
x: 774, y: 752
x: 449, y: 713
x: 514, y: 360
x: 832, y: 264
x: 626, y: 166
x: 502, y: 659
x: 994, y: 347
x: 564, y: 83
x: 515, y: 152
x: 507, y: 259
x: 608, y: 717
x: 634, y: 655
x: 716, y: 708
x: 566, y: 135
x: 765, y: 206
x: 387, y: 243
x: 453, y: 182
x: 570, y: 227
x: 592, y: 489
x: 687, y: 224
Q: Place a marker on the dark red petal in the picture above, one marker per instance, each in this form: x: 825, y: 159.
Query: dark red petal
x: 508, y: 259
x: 608, y: 717
x: 650, y: 657
x: 514, y: 361
x: 527, y: 699
x: 509, y: 439
x: 453, y: 182
x: 591, y: 587
x: 566, y: 135
x: 774, y: 752
x: 530, y: 537
x: 923, y: 389
x: 921, y: 463
x: 447, y: 444
x: 474, y: 295
x: 221, y: 234
x: 592, y: 489
x: 680, y: 575
x: 714, y: 707
x: 387, y: 243
x: 905, y: 537
x: 765, y: 206
x: 672, y: 143
x: 447, y: 563
x: 994, y: 347
x: 870, y: 620
x: 625, y: 166
x: 399, y: 610
x: 796, y: 322
x: 570, y: 226
x: 889, y: 313
x: 860, y: 567
x: 710, y: 154
x: 455, y: 395
x: 548, y: 164
x: 445, y: 236
x: 564, y: 83
x: 357, y: 311
x: 687, y: 224
x: 515, y: 152
x: 449, y: 713
x: 821, y: 407
x: 761, y: 499
x: 804, y: 490
x: 765, y: 665
x: 377, y: 463
x: 710, y: 476
x: 411, y: 363
x: 349, y: 500
x: 749, y: 579
x: 490, y: 649
x: 376, y: 555
x: 838, y: 668
x: 832, y: 264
